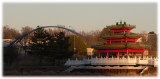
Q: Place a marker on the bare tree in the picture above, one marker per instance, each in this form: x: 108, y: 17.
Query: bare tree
x: 91, y: 38
x: 25, y: 41
x: 10, y: 33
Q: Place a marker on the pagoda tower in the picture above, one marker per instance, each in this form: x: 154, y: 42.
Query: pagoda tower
x: 121, y: 42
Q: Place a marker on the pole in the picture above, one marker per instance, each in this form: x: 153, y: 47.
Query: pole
x: 74, y: 43
x: 74, y: 49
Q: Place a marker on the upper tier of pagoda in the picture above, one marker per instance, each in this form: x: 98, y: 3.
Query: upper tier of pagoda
x: 121, y: 28
x: 117, y: 36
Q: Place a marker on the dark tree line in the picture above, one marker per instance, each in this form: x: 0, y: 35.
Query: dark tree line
x: 50, y: 46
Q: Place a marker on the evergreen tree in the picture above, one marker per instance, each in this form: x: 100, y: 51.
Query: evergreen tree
x: 58, y: 43
x: 50, y: 47
x: 105, y: 31
x: 40, y: 43
x: 152, y: 32
x: 58, y: 47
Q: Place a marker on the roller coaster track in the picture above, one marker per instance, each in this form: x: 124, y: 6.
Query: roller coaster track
x: 21, y: 37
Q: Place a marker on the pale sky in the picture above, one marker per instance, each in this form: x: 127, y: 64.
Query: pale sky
x: 81, y: 16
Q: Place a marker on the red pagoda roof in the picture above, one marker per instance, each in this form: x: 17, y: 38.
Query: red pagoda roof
x: 121, y: 26
x: 121, y: 46
x: 115, y: 36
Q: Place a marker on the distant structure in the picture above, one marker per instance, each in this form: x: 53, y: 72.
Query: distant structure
x: 121, y: 43
x: 90, y: 51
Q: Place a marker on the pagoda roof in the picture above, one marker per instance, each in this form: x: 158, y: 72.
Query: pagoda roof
x: 121, y: 46
x: 121, y: 26
x: 117, y: 36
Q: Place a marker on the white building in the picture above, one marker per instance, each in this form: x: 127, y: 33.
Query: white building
x: 90, y: 51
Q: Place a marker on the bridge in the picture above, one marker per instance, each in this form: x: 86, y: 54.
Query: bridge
x: 112, y: 63
x: 21, y: 37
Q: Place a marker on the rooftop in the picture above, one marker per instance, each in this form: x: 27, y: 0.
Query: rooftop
x: 115, y: 36
x: 121, y: 46
x: 121, y: 26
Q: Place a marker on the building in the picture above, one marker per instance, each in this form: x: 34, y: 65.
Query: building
x: 121, y: 43
x: 90, y: 51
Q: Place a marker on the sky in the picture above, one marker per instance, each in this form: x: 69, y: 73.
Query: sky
x: 81, y: 16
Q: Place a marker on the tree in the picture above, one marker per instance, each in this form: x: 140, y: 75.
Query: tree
x: 81, y: 48
x: 105, y: 31
x: 58, y: 47
x: 10, y: 33
x: 39, y: 43
x: 26, y: 39
x: 91, y: 38
x: 6, y: 34
x: 50, y: 46
x: 152, y: 41
x: 152, y: 32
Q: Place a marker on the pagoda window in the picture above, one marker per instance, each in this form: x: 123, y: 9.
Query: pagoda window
x: 107, y: 42
x: 122, y: 54
x: 131, y: 54
x: 114, y: 54
x: 103, y: 54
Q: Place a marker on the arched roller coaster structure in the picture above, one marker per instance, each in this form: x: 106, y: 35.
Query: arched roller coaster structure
x: 21, y: 37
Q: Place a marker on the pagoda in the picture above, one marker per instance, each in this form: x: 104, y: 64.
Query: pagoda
x: 121, y: 42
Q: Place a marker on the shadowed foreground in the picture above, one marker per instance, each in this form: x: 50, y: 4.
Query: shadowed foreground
x: 58, y: 71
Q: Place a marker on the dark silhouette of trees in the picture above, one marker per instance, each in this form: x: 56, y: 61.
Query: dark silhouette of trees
x: 39, y: 43
x: 50, y: 46
x: 152, y: 32
x: 58, y: 47
x: 10, y: 55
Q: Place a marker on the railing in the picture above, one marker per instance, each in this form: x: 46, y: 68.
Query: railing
x: 114, y: 61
